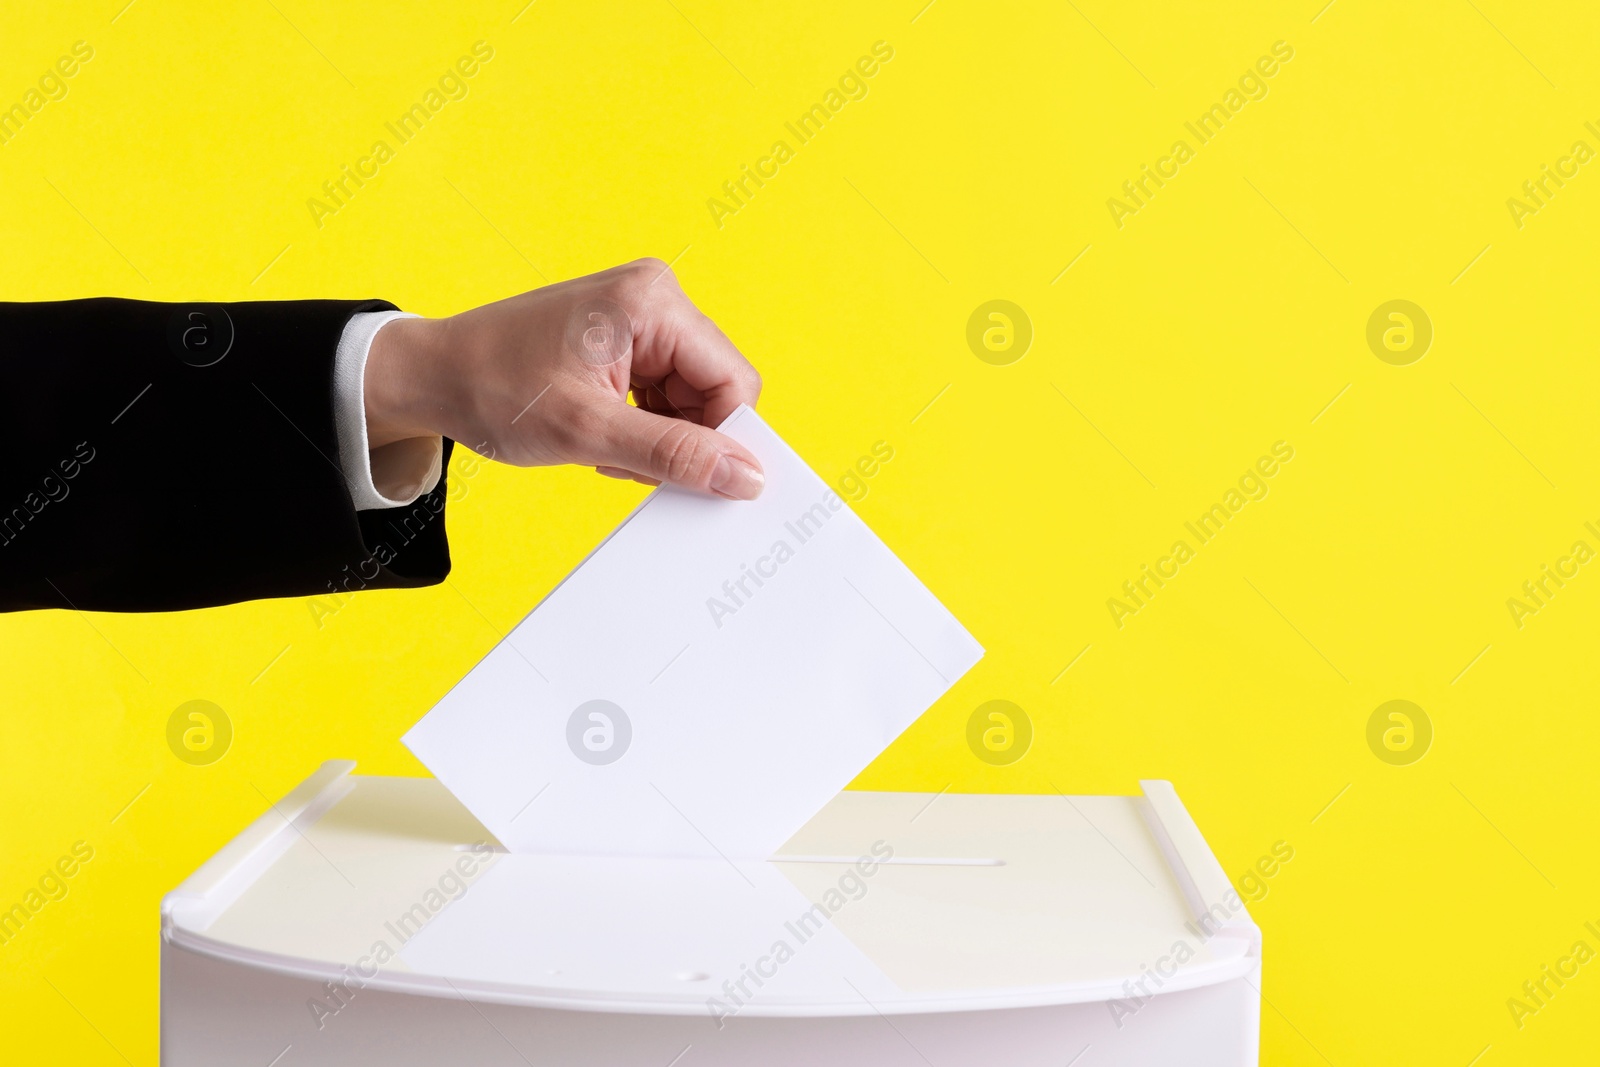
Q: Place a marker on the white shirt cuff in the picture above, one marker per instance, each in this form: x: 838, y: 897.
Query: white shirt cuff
x: 396, y: 474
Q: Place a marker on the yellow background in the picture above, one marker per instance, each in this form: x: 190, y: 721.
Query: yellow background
x: 1223, y: 317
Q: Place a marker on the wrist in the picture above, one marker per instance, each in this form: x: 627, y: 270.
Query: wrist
x: 402, y: 386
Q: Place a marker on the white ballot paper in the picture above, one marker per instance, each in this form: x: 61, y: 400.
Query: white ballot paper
x: 704, y: 682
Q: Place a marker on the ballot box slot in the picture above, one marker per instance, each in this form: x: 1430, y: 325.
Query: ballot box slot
x: 898, y: 861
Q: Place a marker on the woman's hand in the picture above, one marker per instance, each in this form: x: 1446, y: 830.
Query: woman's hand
x: 544, y: 378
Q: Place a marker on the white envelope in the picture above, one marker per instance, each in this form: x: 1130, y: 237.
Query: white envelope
x: 711, y: 676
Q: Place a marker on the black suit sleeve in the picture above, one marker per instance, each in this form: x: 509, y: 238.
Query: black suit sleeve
x: 168, y: 456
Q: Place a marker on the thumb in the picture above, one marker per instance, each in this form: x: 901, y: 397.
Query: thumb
x: 676, y: 452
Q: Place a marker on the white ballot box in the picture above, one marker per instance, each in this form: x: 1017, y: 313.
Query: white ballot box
x: 372, y: 920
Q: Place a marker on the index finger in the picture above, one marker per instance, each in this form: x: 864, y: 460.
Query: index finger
x: 679, y: 339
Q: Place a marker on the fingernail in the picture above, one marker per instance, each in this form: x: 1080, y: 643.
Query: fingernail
x: 736, y: 479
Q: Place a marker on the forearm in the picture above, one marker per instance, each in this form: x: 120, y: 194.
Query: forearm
x: 203, y: 455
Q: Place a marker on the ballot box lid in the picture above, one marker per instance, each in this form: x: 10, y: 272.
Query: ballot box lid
x: 883, y: 902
